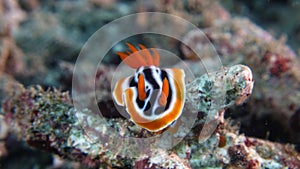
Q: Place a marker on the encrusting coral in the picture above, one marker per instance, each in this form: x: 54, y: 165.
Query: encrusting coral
x: 47, y: 120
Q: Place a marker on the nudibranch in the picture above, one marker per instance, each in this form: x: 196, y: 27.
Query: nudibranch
x: 153, y: 97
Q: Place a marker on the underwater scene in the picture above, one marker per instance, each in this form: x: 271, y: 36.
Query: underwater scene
x: 149, y: 84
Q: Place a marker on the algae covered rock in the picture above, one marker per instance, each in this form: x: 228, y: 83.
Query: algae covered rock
x: 47, y: 120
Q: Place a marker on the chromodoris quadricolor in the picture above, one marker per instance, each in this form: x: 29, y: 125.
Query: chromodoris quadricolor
x: 153, y: 97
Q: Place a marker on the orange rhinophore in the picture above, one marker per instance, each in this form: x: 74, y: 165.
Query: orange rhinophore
x: 153, y: 97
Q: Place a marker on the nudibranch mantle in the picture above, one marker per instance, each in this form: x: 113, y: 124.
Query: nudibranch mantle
x: 153, y: 97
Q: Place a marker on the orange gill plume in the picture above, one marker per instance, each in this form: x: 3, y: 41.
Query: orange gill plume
x: 137, y: 58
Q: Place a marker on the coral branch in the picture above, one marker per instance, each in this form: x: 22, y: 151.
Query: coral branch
x: 47, y: 120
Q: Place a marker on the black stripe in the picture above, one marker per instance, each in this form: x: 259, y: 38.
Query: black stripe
x: 149, y: 76
x: 164, y: 75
